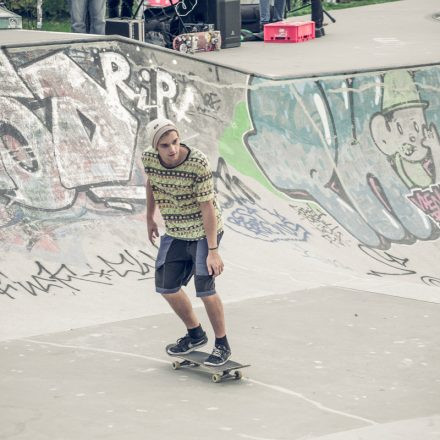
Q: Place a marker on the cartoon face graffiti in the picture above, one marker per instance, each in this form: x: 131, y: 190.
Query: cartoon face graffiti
x: 401, y: 131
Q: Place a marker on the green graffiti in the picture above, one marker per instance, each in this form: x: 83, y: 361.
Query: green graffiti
x: 233, y: 149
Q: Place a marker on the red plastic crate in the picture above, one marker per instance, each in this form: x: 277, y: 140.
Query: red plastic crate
x: 289, y: 31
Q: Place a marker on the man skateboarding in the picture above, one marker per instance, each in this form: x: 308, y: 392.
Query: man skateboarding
x: 181, y: 185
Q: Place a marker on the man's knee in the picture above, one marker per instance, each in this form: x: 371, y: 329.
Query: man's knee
x: 209, y: 297
x: 177, y: 295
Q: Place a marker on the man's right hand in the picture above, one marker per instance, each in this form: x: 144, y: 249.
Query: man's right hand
x: 153, y: 231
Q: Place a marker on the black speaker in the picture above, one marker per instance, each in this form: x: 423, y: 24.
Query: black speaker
x: 225, y: 15
x: 131, y: 28
x: 250, y: 17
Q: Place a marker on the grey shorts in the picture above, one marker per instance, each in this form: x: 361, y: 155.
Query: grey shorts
x: 178, y: 260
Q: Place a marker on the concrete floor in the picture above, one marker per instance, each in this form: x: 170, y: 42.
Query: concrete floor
x: 380, y: 36
x: 327, y: 363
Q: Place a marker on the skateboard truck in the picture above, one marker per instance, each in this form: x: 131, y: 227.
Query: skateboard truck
x: 216, y: 377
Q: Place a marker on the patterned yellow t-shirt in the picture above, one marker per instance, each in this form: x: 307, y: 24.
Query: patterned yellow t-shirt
x: 178, y: 191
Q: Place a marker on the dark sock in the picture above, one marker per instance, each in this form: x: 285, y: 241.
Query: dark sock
x: 222, y: 341
x: 197, y: 332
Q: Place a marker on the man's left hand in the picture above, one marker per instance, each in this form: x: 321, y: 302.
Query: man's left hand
x: 214, y: 263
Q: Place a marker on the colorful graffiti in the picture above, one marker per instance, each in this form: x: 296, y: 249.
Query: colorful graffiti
x: 352, y: 161
x: 357, y: 146
x: 428, y: 201
x: 71, y: 132
x: 246, y: 215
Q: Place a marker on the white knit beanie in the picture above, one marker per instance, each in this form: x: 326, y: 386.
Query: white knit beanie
x: 157, y: 128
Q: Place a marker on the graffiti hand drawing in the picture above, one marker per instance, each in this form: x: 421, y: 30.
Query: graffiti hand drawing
x: 335, y: 139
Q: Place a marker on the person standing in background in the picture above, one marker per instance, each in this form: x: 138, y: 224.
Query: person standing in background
x: 126, y: 8
x: 318, y: 18
x: 278, y: 12
x: 96, y: 13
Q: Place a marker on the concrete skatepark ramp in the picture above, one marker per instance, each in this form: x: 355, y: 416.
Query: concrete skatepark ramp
x: 325, y: 180
x: 329, y: 180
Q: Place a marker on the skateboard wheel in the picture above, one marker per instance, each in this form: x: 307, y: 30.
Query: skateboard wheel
x: 176, y: 365
x: 238, y: 375
x: 216, y: 378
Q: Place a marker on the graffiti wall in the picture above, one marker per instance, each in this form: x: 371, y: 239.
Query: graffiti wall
x: 72, y: 123
x: 321, y: 180
x: 365, y: 150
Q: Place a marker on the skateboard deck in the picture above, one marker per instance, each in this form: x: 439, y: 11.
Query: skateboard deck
x: 198, y: 42
x: 195, y: 359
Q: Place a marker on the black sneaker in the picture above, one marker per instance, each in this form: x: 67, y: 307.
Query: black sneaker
x: 186, y: 345
x: 319, y: 32
x: 219, y: 356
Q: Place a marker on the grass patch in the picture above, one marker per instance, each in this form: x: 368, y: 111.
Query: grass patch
x: 57, y: 26
x: 48, y: 25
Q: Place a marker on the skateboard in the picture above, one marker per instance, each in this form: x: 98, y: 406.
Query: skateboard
x: 198, y: 42
x: 195, y: 359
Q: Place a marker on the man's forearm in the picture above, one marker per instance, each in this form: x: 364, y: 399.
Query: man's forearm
x: 209, y: 223
x: 151, y: 204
